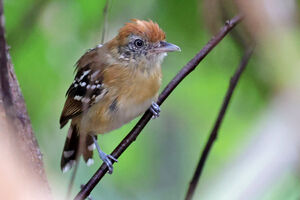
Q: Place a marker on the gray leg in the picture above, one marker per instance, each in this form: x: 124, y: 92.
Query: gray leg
x: 105, y: 157
x: 155, y: 109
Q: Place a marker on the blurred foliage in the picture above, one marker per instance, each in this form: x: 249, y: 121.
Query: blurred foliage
x: 46, y: 39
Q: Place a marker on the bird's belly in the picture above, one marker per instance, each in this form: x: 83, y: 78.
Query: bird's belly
x: 124, y: 102
x: 105, y: 122
x: 128, y: 112
x: 131, y: 111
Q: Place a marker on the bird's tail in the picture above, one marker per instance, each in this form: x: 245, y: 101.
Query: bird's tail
x: 76, y: 145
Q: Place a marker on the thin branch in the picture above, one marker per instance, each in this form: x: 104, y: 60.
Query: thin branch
x: 13, y: 113
x: 237, y: 35
x: 214, y: 133
x: 105, y: 20
x: 188, y: 68
x: 27, y: 23
x: 4, y: 75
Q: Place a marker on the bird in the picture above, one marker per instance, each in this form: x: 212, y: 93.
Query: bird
x: 114, y: 83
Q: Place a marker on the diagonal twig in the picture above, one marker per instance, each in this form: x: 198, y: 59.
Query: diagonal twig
x: 214, y: 133
x: 131, y: 137
x: 105, y: 21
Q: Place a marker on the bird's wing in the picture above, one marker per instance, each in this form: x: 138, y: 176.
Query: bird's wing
x: 86, y: 90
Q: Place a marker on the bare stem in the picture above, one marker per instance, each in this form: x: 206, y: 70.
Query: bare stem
x: 214, y: 133
x: 105, y: 19
x: 131, y: 137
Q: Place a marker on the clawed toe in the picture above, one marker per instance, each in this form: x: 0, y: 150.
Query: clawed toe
x: 109, y: 165
x: 112, y: 158
x: 106, y: 159
x: 155, y: 109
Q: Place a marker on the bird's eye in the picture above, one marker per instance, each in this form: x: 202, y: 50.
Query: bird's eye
x: 138, y: 43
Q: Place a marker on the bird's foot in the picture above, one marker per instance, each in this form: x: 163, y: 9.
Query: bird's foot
x: 106, y: 158
x: 155, y: 109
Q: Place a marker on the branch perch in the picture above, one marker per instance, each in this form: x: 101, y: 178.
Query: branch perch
x: 188, y: 68
x: 214, y: 133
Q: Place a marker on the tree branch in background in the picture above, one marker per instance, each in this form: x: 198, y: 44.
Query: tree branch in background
x: 214, y: 133
x: 105, y: 20
x: 26, y: 24
x: 237, y: 35
x: 14, y: 116
x: 188, y: 68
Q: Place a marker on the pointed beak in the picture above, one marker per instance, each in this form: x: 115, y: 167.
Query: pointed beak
x: 165, y: 47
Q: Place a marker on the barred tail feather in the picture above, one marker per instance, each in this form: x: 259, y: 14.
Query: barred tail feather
x: 71, y: 147
x: 71, y: 152
x: 88, y: 150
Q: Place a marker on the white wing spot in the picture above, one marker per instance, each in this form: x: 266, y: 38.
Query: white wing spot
x: 82, y: 84
x: 95, y: 74
x: 84, y: 74
x: 77, y: 97
x: 85, y: 100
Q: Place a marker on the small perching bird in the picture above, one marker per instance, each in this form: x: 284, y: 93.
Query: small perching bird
x: 115, y: 82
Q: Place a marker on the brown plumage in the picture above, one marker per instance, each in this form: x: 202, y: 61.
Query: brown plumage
x: 147, y: 29
x: 114, y: 84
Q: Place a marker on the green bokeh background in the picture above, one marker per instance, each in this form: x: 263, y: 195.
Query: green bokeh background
x: 46, y: 39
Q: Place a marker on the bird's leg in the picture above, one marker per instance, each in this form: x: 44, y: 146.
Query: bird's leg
x: 105, y: 157
x: 155, y: 109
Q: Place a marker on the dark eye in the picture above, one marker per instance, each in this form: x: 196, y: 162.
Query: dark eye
x: 139, y: 43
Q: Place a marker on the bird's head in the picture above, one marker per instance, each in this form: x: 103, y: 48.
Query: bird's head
x: 141, y: 41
